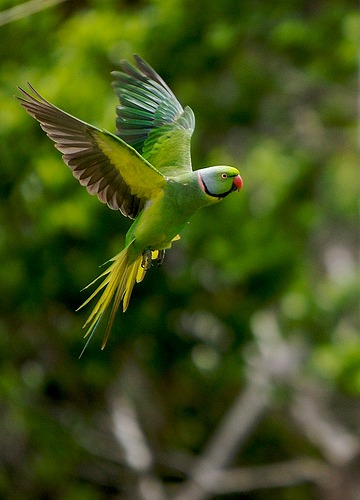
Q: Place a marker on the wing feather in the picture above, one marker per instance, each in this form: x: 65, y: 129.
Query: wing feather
x: 151, y: 119
x: 102, y: 162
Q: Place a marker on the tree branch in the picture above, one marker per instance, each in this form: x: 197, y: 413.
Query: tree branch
x: 26, y: 9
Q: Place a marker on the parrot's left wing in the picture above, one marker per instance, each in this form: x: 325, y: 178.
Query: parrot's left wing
x: 101, y: 161
x: 151, y: 119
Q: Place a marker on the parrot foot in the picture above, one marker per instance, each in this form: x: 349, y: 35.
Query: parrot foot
x: 146, y: 259
x: 160, y: 258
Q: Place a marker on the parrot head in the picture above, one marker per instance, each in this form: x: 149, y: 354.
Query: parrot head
x: 219, y: 181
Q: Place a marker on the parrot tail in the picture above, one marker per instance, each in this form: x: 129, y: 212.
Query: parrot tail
x: 119, y: 281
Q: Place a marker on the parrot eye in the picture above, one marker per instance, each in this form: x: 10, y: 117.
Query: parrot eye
x: 224, y: 176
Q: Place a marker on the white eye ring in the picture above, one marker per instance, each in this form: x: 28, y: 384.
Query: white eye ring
x: 224, y: 176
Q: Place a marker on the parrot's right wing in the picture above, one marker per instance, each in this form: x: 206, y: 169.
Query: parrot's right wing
x: 101, y: 161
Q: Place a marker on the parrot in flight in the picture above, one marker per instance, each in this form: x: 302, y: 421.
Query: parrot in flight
x: 144, y: 170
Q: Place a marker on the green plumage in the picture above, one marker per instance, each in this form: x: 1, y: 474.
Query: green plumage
x: 144, y: 170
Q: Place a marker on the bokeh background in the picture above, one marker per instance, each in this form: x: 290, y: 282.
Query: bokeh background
x: 235, y: 373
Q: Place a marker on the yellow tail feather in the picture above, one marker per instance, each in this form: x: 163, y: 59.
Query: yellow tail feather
x: 117, y: 285
x: 120, y: 278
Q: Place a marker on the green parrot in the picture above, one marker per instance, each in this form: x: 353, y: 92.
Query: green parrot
x: 144, y: 170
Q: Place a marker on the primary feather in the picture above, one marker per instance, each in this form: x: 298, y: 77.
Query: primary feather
x: 97, y: 158
x: 151, y: 119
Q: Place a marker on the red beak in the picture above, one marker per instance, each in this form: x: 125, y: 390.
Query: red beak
x: 238, y: 182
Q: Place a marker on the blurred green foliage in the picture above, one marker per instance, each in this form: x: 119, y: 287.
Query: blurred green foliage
x: 273, y: 88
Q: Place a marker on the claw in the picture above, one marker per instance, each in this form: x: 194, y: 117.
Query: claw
x: 160, y: 257
x: 146, y: 259
x: 150, y: 256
